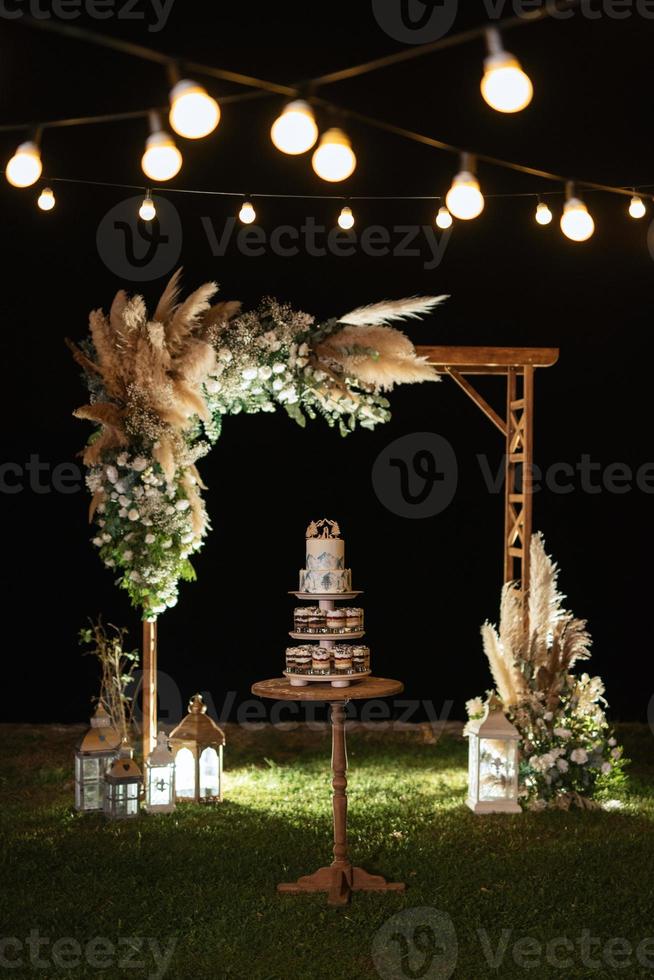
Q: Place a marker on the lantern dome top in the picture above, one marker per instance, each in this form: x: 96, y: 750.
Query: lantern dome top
x: 100, y: 717
x: 124, y: 767
x: 494, y: 724
x: 197, y: 726
x: 161, y: 754
x: 101, y: 736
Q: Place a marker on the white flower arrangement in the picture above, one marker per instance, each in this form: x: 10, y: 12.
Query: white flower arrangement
x: 568, y: 756
x: 159, y: 388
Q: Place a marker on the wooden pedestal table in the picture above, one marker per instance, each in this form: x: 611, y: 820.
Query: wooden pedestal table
x: 340, y: 878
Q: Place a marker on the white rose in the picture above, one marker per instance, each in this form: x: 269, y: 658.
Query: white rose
x: 606, y: 768
x: 562, y: 732
x: 615, y: 753
x: 122, y: 512
x: 123, y: 500
x: 278, y: 367
x: 106, y: 538
x: 580, y: 756
x: 277, y: 384
x: 112, y: 474
x: 212, y: 385
x: 612, y: 741
x: 128, y: 555
x: 475, y: 707
x: 303, y: 350
x: 171, y: 602
x: 139, y: 464
x: 249, y: 373
x: 167, y: 544
x: 225, y: 355
x: 562, y: 765
x: 109, y: 563
x: 97, y: 542
x: 119, y: 486
x: 548, y: 716
x: 182, y: 505
x: 133, y: 514
x: 187, y: 538
x: 265, y: 372
x: 121, y: 459
x: 135, y: 577
x: 150, y: 539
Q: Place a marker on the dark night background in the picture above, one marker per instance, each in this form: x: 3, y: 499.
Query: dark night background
x: 429, y: 584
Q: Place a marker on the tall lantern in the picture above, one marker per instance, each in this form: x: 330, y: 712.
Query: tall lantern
x: 123, y: 786
x: 197, y: 744
x: 160, y: 778
x: 94, y: 756
x: 493, y: 764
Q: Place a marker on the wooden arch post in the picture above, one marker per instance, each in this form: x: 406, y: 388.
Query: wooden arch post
x: 517, y: 365
x: 149, y: 684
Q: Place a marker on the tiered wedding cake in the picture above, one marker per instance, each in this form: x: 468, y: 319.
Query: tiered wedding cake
x: 324, y: 582
x: 325, y: 572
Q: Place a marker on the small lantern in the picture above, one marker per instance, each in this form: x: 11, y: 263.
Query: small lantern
x: 160, y: 778
x: 197, y: 745
x: 493, y: 764
x: 123, y: 786
x: 93, y: 758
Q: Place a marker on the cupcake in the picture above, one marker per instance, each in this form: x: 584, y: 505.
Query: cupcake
x: 302, y: 659
x: 360, y: 657
x: 317, y: 619
x: 321, y: 660
x: 291, y: 662
x: 335, y: 619
x: 342, y: 656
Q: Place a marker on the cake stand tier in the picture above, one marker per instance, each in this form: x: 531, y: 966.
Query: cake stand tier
x: 319, y: 637
x: 324, y: 596
x: 334, y: 680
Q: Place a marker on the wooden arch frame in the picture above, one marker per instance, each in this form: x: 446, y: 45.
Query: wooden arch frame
x: 517, y: 365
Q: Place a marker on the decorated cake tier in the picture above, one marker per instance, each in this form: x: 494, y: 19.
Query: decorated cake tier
x: 324, y: 572
x: 340, y: 658
x: 313, y: 619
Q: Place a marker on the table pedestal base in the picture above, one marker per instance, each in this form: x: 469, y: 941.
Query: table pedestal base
x: 339, y: 881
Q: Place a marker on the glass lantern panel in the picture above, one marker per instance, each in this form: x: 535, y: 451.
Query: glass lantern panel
x: 90, y: 769
x: 160, y: 785
x: 209, y: 775
x: 91, y: 797
x: 496, y: 768
x: 473, y: 766
x: 185, y: 774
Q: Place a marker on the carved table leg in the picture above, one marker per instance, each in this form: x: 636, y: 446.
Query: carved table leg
x: 340, y: 879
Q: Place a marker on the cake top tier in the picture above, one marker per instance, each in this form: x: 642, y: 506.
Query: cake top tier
x: 323, y: 529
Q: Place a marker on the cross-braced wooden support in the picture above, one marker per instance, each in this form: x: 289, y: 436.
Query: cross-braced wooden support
x: 517, y: 364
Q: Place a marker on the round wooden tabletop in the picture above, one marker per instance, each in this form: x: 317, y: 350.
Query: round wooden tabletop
x: 280, y: 689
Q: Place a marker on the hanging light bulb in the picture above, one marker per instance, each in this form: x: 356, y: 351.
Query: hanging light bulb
x: 444, y: 218
x: 543, y: 214
x: 24, y: 168
x: 464, y: 199
x: 193, y: 113
x: 505, y: 86
x: 334, y: 159
x: 576, y: 222
x: 147, y: 211
x: 346, y: 219
x: 295, y: 130
x: 636, y: 207
x: 247, y: 214
x: 46, y: 199
x: 161, y: 160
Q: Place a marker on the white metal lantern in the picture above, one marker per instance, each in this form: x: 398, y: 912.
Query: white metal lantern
x: 197, y: 745
x: 94, y: 756
x: 123, y: 786
x: 493, y: 764
x: 160, y: 778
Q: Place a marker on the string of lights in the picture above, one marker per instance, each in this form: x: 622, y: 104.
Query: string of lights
x: 193, y: 114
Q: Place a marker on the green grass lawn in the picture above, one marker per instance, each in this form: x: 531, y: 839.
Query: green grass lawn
x: 204, y: 880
